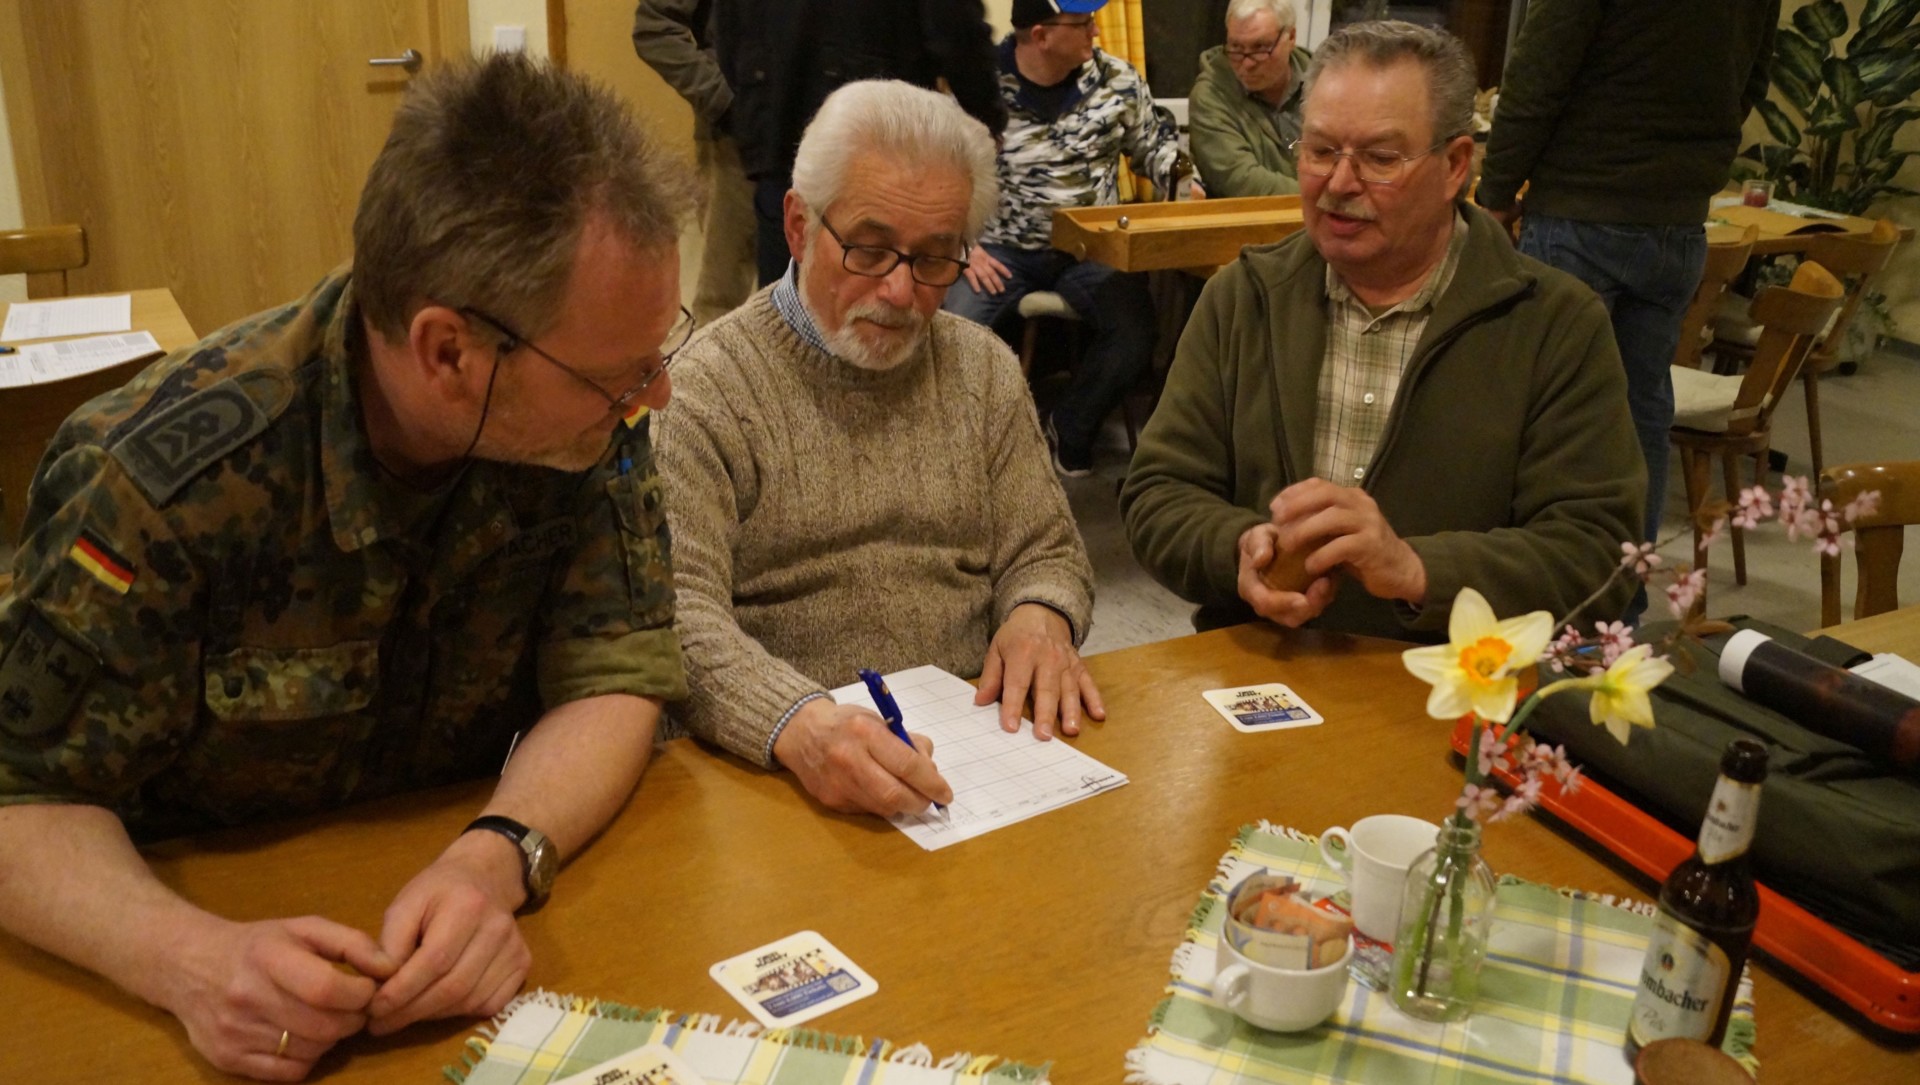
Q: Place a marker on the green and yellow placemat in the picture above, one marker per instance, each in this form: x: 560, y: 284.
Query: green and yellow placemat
x: 1554, y: 998
x: 543, y: 1037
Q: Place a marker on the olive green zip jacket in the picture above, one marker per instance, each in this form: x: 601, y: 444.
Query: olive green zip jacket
x: 1234, y: 141
x: 1509, y: 462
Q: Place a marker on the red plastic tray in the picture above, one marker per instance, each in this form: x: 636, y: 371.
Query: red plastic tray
x: 1886, y: 994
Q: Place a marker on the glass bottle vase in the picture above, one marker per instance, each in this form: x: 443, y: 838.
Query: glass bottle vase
x: 1446, y: 916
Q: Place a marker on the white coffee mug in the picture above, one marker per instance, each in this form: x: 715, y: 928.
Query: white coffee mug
x: 1280, y: 999
x: 1375, y: 855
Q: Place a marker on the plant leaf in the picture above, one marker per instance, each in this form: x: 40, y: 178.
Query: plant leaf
x: 1891, y: 76
x: 1796, y: 69
x: 1845, y: 83
x: 1881, y: 18
x: 1874, y: 142
x: 1829, y: 118
x: 1821, y: 22
x: 1779, y: 126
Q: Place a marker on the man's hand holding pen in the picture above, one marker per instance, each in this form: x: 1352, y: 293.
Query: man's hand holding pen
x: 846, y: 758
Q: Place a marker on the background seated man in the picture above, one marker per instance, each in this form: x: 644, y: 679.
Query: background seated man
x: 1393, y: 394
x: 350, y: 547
x: 1072, y: 111
x: 1244, y: 111
x: 858, y: 480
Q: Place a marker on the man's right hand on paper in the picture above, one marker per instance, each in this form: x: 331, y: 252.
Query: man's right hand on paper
x: 846, y: 758
x: 240, y: 985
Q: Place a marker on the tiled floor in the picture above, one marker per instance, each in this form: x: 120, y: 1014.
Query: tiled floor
x: 1871, y: 415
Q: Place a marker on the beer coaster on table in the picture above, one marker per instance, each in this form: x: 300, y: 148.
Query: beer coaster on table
x: 1268, y: 707
x: 795, y: 979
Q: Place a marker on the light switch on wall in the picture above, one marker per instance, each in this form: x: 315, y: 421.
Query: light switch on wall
x: 510, y: 39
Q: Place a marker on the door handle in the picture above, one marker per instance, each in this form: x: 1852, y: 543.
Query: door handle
x: 409, y: 60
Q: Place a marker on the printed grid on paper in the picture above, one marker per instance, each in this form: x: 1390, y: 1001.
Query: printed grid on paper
x: 997, y: 778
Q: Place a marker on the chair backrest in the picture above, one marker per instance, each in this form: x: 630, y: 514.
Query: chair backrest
x: 1791, y: 317
x: 1878, y: 538
x: 1724, y: 261
x: 1857, y: 260
x: 43, y: 250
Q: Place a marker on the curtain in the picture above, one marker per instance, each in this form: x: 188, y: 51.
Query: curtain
x: 1121, y: 32
x: 1122, y: 35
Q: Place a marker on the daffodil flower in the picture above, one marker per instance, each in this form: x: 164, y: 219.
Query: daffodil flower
x: 1474, y: 671
x: 1620, y: 695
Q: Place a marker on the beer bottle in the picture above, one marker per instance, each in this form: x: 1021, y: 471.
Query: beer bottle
x: 1707, y: 910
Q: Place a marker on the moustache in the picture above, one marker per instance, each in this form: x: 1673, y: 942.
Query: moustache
x: 887, y: 316
x: 1353, y: 209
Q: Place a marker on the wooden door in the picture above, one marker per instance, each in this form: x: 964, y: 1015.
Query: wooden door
x: 215, y: 147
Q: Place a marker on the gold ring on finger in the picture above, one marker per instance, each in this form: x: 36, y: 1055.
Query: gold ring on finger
x: 282, y: 1048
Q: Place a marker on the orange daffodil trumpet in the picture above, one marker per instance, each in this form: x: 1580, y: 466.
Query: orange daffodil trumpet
x: 1475, y: 671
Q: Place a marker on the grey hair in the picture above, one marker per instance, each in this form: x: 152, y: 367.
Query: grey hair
x: 1281, y: 10
x: 916, y: 126
x: 1451, y: 79
x: 484, y: 186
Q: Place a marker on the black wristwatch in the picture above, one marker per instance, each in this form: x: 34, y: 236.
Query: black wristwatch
x: 539, y: 859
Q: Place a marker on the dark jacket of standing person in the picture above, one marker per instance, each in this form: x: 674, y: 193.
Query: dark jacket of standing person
x: 783, y: 57
x: 1627, y: 112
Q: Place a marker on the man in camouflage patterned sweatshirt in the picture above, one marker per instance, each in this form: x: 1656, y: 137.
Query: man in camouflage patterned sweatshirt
x: 1072, y: 112
x: 350, y: 547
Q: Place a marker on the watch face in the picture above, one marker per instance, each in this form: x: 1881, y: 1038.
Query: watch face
x: 543, y: 862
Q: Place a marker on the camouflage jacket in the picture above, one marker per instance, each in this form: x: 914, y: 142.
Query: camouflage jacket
x: 1073, y: 160
x: 224, y: 611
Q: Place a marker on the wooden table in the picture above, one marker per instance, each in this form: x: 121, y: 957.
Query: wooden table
x: 34, y: 412
x: 1049, y: 940
x: 1780, y: 232
x: 1196, y: 235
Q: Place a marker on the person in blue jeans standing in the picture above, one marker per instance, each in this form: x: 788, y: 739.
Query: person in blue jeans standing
x: 1622, y: 118
x: 1072, y: 112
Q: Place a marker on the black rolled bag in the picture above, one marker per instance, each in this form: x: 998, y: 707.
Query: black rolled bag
x: 1839, y: 831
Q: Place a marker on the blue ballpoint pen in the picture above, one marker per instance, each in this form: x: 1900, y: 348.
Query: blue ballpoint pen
x: 890, y: 711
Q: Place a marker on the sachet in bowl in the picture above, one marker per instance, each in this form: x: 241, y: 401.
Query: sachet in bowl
x: 1282, y: 960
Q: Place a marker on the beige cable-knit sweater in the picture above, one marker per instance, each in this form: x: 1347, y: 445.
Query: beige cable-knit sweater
x: 827, y: 518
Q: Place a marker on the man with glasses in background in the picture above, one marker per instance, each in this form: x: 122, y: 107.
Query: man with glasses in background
x: 1392, y: 404
x: 363, y: 544
x: 1244, y: 112
x: 1072, y: 112
x: 856, y: 479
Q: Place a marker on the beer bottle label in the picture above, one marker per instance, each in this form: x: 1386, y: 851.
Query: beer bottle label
x: 1682, y: 981
x: 1727, y: 831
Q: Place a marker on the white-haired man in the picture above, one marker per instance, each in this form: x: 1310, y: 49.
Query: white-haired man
x: 1394, y: 396
x: 859, y: 480
x: 1244, y: 110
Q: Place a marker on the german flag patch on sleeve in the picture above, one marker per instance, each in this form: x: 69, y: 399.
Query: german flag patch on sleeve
x: 96, y: 557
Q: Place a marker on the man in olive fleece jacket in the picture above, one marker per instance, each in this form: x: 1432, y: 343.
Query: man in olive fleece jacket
x: 1623, y: 118
x: 1506, y: 460
x: 1244, y: 109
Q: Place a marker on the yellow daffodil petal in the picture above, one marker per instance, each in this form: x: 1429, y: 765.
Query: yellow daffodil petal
x: 1529, y: 634
x: 1620, y: 700
x: 1471, y: 619
x: 1494, y: 700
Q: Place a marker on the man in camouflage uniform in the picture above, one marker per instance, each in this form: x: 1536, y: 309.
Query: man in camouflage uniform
x: 1072, y: 111
x: 351, y: 547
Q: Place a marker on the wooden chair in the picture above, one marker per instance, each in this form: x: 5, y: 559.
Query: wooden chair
x: 1856, y: 260
x: 1724, y: 261
x: 1731, y: 416
x: 45, y: 252
x: 1878, y: 539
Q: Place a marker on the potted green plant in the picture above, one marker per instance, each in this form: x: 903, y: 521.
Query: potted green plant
x: 1844, y: 104
x: 1836, y: 109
